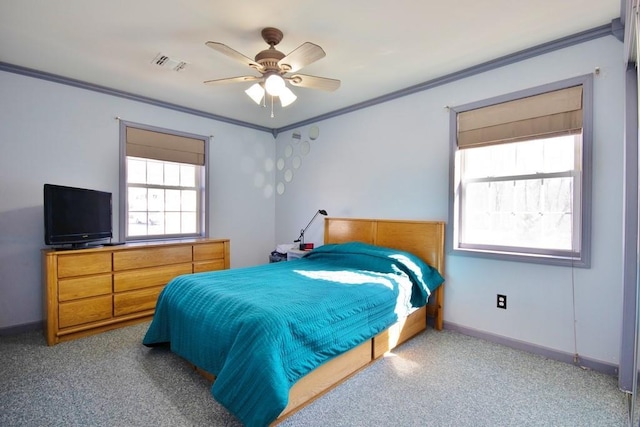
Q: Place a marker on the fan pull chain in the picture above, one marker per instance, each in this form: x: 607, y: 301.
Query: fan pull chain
x: 272, y: 116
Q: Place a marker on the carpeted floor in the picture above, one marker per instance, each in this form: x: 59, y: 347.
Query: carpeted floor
x: 437, y: 379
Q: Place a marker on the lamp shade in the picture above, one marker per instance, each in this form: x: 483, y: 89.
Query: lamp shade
x: 287, y: 97
x: 255, y: 92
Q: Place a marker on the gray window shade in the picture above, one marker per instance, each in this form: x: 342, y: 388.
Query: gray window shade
x: 163, y: 146
x: 546, y: 115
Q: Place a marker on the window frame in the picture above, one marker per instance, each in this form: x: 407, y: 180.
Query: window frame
x: 580, y: 258
x: 203, y: 196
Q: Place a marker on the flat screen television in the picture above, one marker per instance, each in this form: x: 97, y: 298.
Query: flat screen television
x: 76, y: 216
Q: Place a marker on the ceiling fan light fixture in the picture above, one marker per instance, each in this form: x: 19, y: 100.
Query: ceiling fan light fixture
x: 274, y: 67
x: 274, y: 84
x: 287, y: 97
x: 255, y: 92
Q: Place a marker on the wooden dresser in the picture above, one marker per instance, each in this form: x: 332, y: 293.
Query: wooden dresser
x: 88, y: 291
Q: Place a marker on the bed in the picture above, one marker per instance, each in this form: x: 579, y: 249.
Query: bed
x: 277, y: 336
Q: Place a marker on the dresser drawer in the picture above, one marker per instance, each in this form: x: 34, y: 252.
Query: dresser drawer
x: 199, y: 267
x: 148, y: 277
x: 83, y: 264
x: 83, y: 287
x: 208, y: 251
x: 135, y: 301
x: 151, y: 257
x: 84, y: 311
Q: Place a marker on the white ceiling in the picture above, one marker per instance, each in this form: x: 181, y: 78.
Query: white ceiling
x: 375, y: 47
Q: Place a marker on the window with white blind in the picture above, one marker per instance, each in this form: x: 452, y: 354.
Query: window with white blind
x: 163, y: 183
x: 521, y: 175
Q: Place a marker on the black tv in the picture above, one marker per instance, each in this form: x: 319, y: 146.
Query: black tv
x: 76, y: 216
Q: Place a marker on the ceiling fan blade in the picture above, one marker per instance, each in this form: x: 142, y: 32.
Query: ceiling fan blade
x: 314, y: 82
x: 303, y: 55
x: 241, y: 79
x: 234, y: 54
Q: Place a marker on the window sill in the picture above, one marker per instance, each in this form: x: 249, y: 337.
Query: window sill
x: 522, y: 257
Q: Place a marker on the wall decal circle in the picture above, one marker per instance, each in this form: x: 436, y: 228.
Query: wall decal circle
x: 314, y: 132
x: 305, y: 148
x: 296, y: 162
x: 268, y: 164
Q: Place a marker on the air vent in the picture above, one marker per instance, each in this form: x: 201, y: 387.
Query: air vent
x: 160, y: 59
x: 165, y: 61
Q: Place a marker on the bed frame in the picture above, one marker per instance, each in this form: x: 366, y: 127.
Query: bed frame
x: 422, y: 238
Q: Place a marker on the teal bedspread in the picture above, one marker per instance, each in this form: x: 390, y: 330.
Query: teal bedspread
x: 260, y: 329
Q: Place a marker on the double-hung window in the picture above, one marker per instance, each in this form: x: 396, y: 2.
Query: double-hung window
x: 521, y: 175
x: 162, y: 183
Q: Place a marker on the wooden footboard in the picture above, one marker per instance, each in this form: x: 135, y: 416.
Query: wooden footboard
x: 337, y: 370
x: 398, y: 333
x: 326, y: 377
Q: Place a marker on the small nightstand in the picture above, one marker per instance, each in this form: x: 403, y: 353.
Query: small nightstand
x: 295, y: 254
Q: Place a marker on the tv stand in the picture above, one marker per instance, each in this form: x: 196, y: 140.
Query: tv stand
x: 92, y: 290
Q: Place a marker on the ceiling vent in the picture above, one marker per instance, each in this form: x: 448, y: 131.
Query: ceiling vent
x: 164, y: 61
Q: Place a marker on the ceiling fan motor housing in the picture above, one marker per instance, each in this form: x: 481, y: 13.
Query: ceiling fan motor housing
x: 269, y: 58
x: 272, y: 36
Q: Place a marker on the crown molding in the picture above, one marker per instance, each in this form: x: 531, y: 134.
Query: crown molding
x: 614, y: 28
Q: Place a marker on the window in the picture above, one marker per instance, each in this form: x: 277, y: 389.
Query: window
x: 521, y: 167
x: 163, y: 184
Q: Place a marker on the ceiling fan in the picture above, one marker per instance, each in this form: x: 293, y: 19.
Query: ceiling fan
x: 275, y: 68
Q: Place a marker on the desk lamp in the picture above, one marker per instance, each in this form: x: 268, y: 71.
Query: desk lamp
x: 306, y: 246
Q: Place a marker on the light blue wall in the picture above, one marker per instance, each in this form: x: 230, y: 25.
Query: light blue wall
x: 389, y: 161
x: 392, y: 161
x: 52, y: 133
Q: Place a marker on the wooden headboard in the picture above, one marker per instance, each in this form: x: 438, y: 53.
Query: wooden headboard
x: 422, y: 238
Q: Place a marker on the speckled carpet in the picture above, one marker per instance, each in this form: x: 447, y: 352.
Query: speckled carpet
x: 436, y: 379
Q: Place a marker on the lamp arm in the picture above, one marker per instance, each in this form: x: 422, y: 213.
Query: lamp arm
x: 305, y: 229
x: 301, y: 238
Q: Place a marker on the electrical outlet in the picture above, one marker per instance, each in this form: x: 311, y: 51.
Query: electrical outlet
x: 502, y: 301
